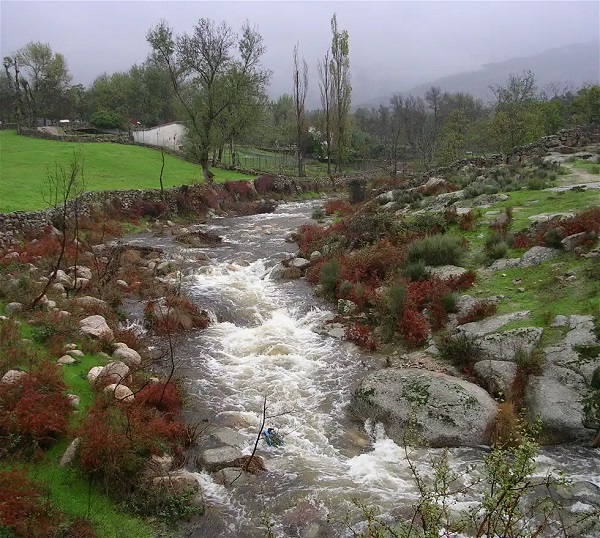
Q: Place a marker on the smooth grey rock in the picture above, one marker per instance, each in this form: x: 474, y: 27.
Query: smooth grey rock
x: 230, y: 476
x: 560, y: 321
x: 115, y: 372
x: 277, y: 272
x: 228, y: 437
x: 93, y: 374
x: 96, y: 327
x: 545, y: 217
x: 120, y: 392
x: 215, y: 459
x: 315, y: 256
x: 160, y: 463
x: 81, y: 271
x: 127, y: 355
x: 536, y: 255
x: 62, y: 278
x: 75, y: 353
x: 448, y: 411
x: 300, y: 263
x: 13, y: 376
x: 497, y: 376
x: 69, y: 455
x: 489, y: 325
x: 66, y: 359
x: 571, y: 242
x: 445, y: 272
x: 559, y: 408
x: 13, y: 308
x: 505, y: 263
x: 504, y: 346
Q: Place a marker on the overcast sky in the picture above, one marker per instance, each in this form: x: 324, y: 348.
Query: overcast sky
x: 393, y: 45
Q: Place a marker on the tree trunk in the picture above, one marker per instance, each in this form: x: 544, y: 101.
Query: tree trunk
x: 208, y: 175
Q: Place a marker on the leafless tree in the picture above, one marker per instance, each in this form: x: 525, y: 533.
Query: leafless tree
x: 325, y: 89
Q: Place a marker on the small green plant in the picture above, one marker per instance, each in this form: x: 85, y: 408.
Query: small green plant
x: 393, y: 305
x: 437, y: 250
x: 553, y: 238
x: 329, y: 277
x: 416, y: 271
x: 318, y: 214
x: 497, y: 250
x: 450, y: 302
x: 461, y: 350
x: 168, y: 506
x: 530, y: 362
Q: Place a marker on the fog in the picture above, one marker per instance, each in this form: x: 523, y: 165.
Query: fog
x: 393, y: 45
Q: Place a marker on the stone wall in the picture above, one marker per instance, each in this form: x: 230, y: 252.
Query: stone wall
x: 34, y: 133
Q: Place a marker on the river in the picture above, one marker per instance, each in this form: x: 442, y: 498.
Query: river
x: 263, y: 344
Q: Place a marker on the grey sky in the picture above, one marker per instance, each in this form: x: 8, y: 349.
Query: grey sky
x: 393, y: 45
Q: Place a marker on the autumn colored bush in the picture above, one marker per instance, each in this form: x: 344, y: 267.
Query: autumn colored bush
x: 147, y: 208
x: 24, y: 508
x: 585, y: 221
x: 466, y: 222
x: 361, y: 335
x: 461, y: 282
x: 337, y: 206
x: 264, y: 184
x: 244, y: 189
x: 34, y: 410
x: 451, y: 215
x: 522, y: 240
x: 480, y: 310
x: 430, y: 294
x: 413, y: 327
x: 13, y: 349
x: 164, y: 397
x: 311, y: 237
x: 118, y: 438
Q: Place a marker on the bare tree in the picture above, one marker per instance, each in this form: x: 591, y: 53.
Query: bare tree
x: 300, y: 79
x: 325, y: 89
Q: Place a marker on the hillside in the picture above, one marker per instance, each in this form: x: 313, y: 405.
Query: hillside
x: 578, y: 64
x: 26, y: 161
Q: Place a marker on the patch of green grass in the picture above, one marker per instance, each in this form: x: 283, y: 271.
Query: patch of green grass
x: 75, y: 376
x: 107, y: 166
x: 587, y: 166
x: 546, y: 293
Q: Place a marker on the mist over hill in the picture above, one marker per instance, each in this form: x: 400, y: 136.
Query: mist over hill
x: 576, y: 64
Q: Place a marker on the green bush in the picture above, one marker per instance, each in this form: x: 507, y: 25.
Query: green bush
x: 416, y: 271
x: 497, y: 250
x: 357, y: 191
x: 461, y: 350
x: 170, y: 507
x: 394, y: 302
x: 107, y: 119
x: 437, y: 250
x: 530, y: 362
x: 329, y: 277
x: 594, y: 169
x: 553, y: 238
x: 450, y: 302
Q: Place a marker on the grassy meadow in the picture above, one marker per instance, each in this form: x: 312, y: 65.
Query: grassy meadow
x: 25, y: 162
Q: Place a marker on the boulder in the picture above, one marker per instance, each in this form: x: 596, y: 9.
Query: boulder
x: 160, y: 464
x: 496, y: 376
x: 489, y: 325
x: 291, y: 273
x: 69, y: 455
x: 120, y: 392
x: 75, y: 353
x: 127, y: 355
x: 228, y: 437
x: 13, y: 308
x: 13, y: 376
x: 537, y: 255
x: 65, y: 359
x: 300, y: 263
x: 504, y: 346
x: 215, y: 459
x: 87, y: 302
x: 447, y: 411
x: 230, y: 476
x: 81, y: 271
x: 116, y: 372
x: 96, y: 327
x: 571, y: 242
x: 93, y: 374
x: 558, y: 405
x: 178, y: 482
x: 62, y: 278
x: 445, y: 272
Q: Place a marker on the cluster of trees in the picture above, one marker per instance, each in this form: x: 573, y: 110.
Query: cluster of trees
x: 213, y: 79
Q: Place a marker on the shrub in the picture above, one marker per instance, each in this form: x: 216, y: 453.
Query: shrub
x: 168, y: 506
x: 361, y: 335
x: 530, y: 362
x: 148, y: 208
x: 497, y: 250
x: 428, y: 223
x: 318, y: 214
x: 413, y: 327
x: 13, y: 350
x: 450, y: 302
x: 437, y: 250
x: 585, y: 221
x: 263, y: 184
x: 392, y: 306
x: 337, y: 206
x: 416, y: 271
x: 34, y: 411
x: 164, y: 397
x: 357, y: 191
x: 507, y: 425
x: 522, y: 240
x: 461, y: 282
x: 480, y: 310
x: 429, y: 294
x: 243, y: 189
x: 107, y: 119
x: 461, y: 350
x: 24, y: 508
x: 466, y: 221
x: 328, y: 277
x: 451, y: 215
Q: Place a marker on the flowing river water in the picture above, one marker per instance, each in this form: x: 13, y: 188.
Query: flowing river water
x: 264, y: 342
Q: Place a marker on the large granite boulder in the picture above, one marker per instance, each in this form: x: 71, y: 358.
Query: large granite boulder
x: 96, y: 327
x: 215, y: 459
x: 445, y: 410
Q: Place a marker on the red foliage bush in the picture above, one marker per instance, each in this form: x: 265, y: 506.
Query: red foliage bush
x: 117, y: 439
x: 438, y: 188
x: 429, y: 294
x: 522, y: 240
x: 467, y: 221
x: 361, y: 335
x: 12, y: 346
x: 80, y: 528
x: 451, y: 215
x: 311, y: 237
x: 35, y: 409
x: 147, y: 208
x: 480, y: 310
x: 313, y: 273
x: 24, y: 509
x: 586, y: 221
x: 462, y: 282
x: 165, y: 398
x: 243, y: 189
x: 413, y: 327
x: 263, y: 184
x: 335, y: 206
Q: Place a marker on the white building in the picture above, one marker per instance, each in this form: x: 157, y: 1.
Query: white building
x: 169, y: 135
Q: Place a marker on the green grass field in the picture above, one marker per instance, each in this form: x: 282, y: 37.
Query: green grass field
x: 24, y: 165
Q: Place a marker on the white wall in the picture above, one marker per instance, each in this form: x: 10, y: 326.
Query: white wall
x: 169, y: 136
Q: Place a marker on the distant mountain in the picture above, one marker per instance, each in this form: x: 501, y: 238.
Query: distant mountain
x: 577, y: 64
